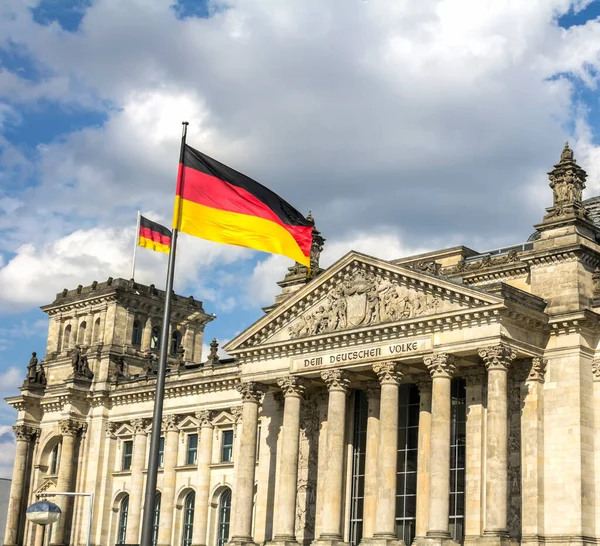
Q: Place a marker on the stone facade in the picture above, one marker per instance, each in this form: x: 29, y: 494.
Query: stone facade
x: 451, y: 397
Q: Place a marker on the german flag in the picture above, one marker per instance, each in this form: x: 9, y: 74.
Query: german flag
x: 154, y: 236
x: 215, y: 202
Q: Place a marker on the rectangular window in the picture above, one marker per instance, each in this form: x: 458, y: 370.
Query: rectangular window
x: 227, y: 446
x: 127, y: 455
x: 192, y: 449
x: 161, y: 453
x: 458, y: 423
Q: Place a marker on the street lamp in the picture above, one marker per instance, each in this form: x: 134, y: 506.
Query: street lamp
x: 43, y: 513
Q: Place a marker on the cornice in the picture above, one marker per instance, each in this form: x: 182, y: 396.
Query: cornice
x: 493, y: 274
x: 576, y: 252
x: 574, y: 322
x: 82, y: 304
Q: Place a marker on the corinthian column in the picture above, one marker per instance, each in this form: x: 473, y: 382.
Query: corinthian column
x: 442, y: 368
x: 167, y: 499
x: 137, y: 480
x: 385, y: 521
x: 423, y: 456
x: 69, y: 430
x: 285, y: 522
x: 497, y: 361
x: 24, y: 435
x: 337, y: 382
x: 371, y: 457
x: 241, y: 526
x: 203, y: 488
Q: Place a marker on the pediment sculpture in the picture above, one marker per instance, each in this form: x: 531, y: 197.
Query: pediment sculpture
x: 363, y: 298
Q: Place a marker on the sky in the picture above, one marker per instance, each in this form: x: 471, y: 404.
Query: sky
x: 403, y: 126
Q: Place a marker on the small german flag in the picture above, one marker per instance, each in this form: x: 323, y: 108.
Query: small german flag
x: 154, y: 236
x: 217, y: 203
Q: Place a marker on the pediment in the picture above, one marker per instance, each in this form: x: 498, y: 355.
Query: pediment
x: 224, y: 418
x: 124, y: 430
x: 360, y: 292
x: 188, y: 423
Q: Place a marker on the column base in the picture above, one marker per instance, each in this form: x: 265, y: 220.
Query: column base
x: 279, y: 541
x: 385, y: 540
x: 329, y: 540
x: 242, y: 541
x: 491, y: 538
x: 435, y: 539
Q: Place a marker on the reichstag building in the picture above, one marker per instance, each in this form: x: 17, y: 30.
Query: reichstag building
x: 450, y: 397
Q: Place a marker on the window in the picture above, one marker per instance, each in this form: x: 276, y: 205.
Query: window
x: 127, y: 455
x: 358, y: 467
x: 161, y: 452
x: 175, y: 341
x: 96, y: 333
x: 155, y: 338
x: 188, y: 519
x: 123, y: 513
x: 81, y: 335
x: 67, y: 337
x: 54, y: 457
x: 136, y: 334
x: 458, y: 425
x: 224, y: 517
x: 156, y: 521
x: 227, y: 446
x: 192, y: 449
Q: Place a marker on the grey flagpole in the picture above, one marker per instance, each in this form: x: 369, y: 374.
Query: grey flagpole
x: 149, y: 497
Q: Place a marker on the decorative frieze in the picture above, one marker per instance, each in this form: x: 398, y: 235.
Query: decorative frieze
x: 251, y: 391
x: 388, y: 372
x: 336, y: 380
x: 538, y: 369
x: 293, y: 385
x: 498, y: 357
x: 441, y: 365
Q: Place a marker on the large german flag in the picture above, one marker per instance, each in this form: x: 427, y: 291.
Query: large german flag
x: 217, y: 203
x: 154, y: 236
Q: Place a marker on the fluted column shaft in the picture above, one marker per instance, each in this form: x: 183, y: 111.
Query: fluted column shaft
x: 137, y: 480
x: 165, y: 528
x: 385, y: 521
x: 203, y: 487
x: 24, y: 435
x: 64, y: 482
x: 371, y: 460
x: 337, y: 383
x: 497, y: 361
x: 423, y: 457
x: 442, y: 368
x: 241, y: 526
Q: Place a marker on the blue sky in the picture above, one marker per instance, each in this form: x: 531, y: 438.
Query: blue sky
x: 404, y: 126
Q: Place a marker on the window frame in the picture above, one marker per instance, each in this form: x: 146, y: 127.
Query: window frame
x: 155, y: 338
x: 224, y: 527
x: 187, y: 527
x: 127, y: 456
x: 191, y: 452
x: 229, y: 446
x: 122, y: 523
x: 137, y: 333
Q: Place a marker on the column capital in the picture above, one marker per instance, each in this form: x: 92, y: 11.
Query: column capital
x: 372, y: 390
x: 596, y: 369
x: 169, y: 423
x: 251, y: 391
x: 441, y: 365
x: 423, y: 383
x: 69, y: 427
x: 474, y: 376
x: 236, y: 413
x: 498, y: 357
x: 25, y: 433
x: 538, y: 369
x: 336, y: 380
x: 110, y: 428
x: 205, y: 418
x: 139, y: 426
x: 293, y: 385
x: 388, y: 373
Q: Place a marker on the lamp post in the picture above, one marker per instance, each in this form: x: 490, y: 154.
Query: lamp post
x: 43, y: 513
x: 90, y: 495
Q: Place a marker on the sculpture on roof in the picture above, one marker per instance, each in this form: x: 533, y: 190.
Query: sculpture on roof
x: 36, y: 376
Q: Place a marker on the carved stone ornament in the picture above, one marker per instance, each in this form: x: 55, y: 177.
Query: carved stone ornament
x: 79, y: 363
x: 24, y: 433
x: 213, y: 355
x: 363, y: 298
x: 596, y: 369
x: 499, y: 357
x: 474, y: 376
x: 251, y: 391
x: 427, y: 266
x: 442, y: 365
x: 170, y: 422
x: 139, y: 426
x: 293, y: 385
x: 336, y: 380
x: 372, y: 390
x: 423, y: 383
x: 110, y: 428
x: 487, y: 261
x: 538, y: 369
x: 236, y: 414
x: 36, y: 375
x: 205, y: 418
x: 388, y: 372
x: 68, y: 427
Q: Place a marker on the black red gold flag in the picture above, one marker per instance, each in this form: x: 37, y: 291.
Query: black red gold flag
x: 154, y: 236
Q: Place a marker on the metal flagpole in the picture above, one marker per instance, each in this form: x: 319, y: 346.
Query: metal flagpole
x: 153, y: 456
x: 135, y: 244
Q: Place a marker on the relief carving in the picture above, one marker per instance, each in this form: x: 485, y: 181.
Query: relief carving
x: 363, y: 298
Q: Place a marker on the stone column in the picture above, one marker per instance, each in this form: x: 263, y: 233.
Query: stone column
x: 385, y: 522
x: 337, y: 382
x: 423, y: 456
x: 497, y: 361
x: 165, y: 529
x: 203, y: 484
x: 69, y: 430
x: 241, y: 525
x: 137, y: 480
x: 371, y: 457
x: 532, y: 443
x: 442, y: 368
x: 285, y: 522
x: 16, y: 512
x: 474, y: 448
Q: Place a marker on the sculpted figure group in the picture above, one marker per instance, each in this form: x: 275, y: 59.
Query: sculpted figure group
x: 360, y: 299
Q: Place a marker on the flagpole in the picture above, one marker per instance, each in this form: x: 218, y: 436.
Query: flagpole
x: 135, y: 244
x: 153, y: 456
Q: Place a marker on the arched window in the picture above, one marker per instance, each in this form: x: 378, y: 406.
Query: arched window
x: 224, y: 518
x: 81, y: 334
x: 175, y: 341
x: 66, y: 337
x: 188, y: 519
x: 123, y: 513
x: 54, y: 460
x: 156, y: 521
x: 96, y: 332
x: 155, y: 338
x: 136, y: 334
